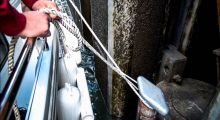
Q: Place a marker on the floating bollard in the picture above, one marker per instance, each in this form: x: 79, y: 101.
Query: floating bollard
x: 153, y: 98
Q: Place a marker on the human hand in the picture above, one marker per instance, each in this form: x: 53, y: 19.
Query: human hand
x: 37, y: 25
x: 40, y: 4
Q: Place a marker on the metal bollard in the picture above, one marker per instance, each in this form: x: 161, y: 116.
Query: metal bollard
x: 154, y: 100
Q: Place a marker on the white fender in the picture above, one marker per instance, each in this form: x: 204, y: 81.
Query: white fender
x: 67, y: 69
x: 68, y: 103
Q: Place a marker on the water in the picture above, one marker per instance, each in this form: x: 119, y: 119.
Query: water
x: 98, y: 104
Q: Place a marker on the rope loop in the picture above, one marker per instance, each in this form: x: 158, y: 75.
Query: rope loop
x: 68, y: 24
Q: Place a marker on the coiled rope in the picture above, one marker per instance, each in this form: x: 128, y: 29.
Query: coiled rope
x: 10, y: 68
x: 72, y: 28
x: 11, y: 55
x: 68, y: 24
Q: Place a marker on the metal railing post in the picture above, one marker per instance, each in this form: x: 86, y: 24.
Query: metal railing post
x: 12, y: 85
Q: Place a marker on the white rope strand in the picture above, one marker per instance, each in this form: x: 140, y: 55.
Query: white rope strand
x: 94, y: 35
x: 98, y: 40
x: 72, y: 28
x: 67, y: 23
x: 110, y: 65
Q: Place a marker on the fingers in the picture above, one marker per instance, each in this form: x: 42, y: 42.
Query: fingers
x: 45, y: 34
x: 52, y: 5
x: 54, y: 17
x: 48, y: 34
x: 44, y: 25
x: 40, y: 4
x: 46, y: 29
x: 37, y: 25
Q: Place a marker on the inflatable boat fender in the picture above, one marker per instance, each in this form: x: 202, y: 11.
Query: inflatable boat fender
x: 67, y: 71
x: 68, y: 103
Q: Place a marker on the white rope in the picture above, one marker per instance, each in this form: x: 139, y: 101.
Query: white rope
x: 123, y: 75
x: 97, y: 39
x: 94, y: 35
x: 67, y: 23
x: 72, y: 28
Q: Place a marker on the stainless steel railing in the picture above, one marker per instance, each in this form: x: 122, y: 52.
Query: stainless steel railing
x: 11, y: 87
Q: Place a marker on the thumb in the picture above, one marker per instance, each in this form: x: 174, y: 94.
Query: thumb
x: 54, y: 17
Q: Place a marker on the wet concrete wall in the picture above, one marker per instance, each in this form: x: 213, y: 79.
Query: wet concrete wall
x: 135, y: 32
x: 218, y: 6
x: 147, y: 44
x: 123, y: 25
x: 99, y: 22
x: 148, y: 37
x: 131, y: 30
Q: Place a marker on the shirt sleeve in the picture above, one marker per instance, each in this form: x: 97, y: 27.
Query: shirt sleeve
x: 11, y: 21
x: 29, y: 3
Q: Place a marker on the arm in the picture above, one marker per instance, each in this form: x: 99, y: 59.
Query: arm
x: 29, y: 3
x: 11, y: 21
x: 27, y: 24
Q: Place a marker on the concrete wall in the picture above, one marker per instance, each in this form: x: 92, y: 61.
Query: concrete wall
x: 99, y: 21
x: 123, y: 19
x: 131, y: 30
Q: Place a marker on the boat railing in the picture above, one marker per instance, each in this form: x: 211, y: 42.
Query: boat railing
x: 11, y: 87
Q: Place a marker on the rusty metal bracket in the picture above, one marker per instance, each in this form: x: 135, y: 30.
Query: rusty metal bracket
x: 172, y: 66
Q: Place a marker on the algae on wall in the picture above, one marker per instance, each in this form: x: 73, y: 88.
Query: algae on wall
x: 137, y: 33
x: 123, y: 22
x: 134, y: 29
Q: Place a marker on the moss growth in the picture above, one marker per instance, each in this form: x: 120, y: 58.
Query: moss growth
x: 123, y: 23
